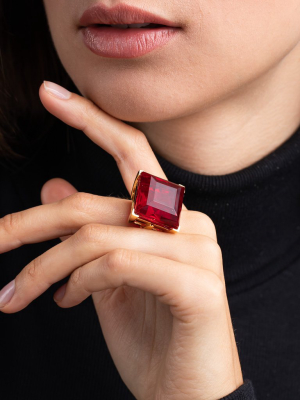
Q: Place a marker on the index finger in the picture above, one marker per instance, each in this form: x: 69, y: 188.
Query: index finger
x: 128, y: 145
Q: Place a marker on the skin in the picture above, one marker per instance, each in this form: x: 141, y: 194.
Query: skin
x: 215, y: 100
x: 235, y: 83
x: 169, y: 338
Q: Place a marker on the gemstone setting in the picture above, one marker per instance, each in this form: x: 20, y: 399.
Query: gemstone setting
x: 156, y: 203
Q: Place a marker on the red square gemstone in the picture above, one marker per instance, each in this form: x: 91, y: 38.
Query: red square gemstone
x: 158, y: 200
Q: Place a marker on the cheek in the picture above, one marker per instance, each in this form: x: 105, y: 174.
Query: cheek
x: 223, y: 48
x: 238, y: 43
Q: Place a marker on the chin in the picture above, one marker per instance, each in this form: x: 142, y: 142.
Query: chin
x: 133, y: 108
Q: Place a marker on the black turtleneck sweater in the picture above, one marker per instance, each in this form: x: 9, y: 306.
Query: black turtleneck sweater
x: 53, y: 353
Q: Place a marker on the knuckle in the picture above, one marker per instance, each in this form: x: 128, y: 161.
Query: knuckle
x: 81, y: 207
x: 11, y: 222
x: 79, y: 202
x: 136, y: 141
x: 91, y: 111
x: 76, y: 278
x: 216, y: 292
x: 210, y: 254
x: 216, y: 287
x: 139, y: 139
x: 206, y: 222
x: 119, y: 258
x: 206, y: 297
x: 33, y: 269
x: 91, y: 233
x: 213, y: 250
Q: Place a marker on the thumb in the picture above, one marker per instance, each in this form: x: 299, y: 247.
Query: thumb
x: 56, y: 189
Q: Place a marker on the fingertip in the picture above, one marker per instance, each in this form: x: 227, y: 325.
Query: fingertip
x: 56, y: 189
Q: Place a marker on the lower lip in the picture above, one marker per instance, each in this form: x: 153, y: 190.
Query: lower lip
x: 126, y: 43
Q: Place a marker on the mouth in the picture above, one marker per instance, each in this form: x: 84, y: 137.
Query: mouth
x: 122, y: 16
x: 124, y: 31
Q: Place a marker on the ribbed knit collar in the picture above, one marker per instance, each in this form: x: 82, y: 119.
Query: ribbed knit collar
x: 256, y: 210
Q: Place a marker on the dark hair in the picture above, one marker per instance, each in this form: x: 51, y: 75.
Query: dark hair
x: 27, y: 57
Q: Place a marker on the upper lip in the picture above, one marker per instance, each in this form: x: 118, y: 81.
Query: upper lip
x: 120, y: 14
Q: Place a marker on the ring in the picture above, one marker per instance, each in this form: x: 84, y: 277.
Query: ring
x: 156, y: 203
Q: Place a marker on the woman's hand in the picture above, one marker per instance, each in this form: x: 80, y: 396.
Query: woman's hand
x: 160, y: 298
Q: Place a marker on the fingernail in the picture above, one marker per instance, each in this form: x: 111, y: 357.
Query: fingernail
x: 7, y: 293
x: 57, y: 90
x: 60, y: 293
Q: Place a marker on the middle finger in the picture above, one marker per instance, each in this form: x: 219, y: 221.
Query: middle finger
x: 69, y: 214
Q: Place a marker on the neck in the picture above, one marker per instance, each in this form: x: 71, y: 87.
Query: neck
x: 256, y: 211
x: 235, y: 132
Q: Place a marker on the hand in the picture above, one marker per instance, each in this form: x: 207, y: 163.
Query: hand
x: 160, y: 297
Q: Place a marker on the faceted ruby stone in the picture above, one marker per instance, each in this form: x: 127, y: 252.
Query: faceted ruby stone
x: 158, y: 200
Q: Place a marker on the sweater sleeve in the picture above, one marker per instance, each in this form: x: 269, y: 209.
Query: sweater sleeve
x: 243, y: 392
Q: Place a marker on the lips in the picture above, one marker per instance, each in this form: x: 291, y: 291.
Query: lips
x: 126, y: 38
x: 121, y: 14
